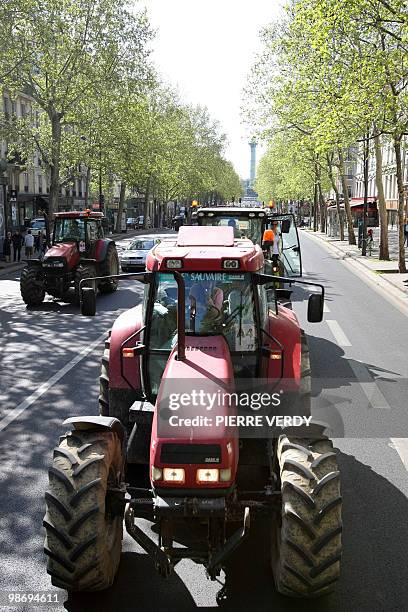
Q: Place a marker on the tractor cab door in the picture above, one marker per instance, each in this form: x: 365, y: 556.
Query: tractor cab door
x: 290, y: 244
x: 93, y: 233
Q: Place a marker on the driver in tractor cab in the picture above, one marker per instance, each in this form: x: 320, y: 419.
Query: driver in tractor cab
x: 206, y: 304
x: 276, y: 243
x: 73, y: 232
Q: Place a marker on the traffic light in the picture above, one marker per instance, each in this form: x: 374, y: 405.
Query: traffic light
x: 271, y: 204
x: 194, y: 203
x: 239, y: 200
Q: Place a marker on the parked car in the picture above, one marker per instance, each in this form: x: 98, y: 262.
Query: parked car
x: 140, y: 222
x: 131, y: 223
x: 37, y: 226
x: 134, y: 255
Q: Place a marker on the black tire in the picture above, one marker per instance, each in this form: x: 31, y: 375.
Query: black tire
x: 83, y: 271
x: 115, y: 402
x: 109, y: 266
x: 88, y: 306
x: 32, y: 286
x: 306, y: 542
x: 83, y: 539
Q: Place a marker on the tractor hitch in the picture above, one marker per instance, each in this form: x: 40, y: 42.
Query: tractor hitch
x: 230, y: 545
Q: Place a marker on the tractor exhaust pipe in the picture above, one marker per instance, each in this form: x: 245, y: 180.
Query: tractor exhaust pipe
x: 181, y: 317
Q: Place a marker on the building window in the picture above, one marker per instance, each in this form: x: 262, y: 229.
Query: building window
x: 25, y: 177
x: 13, y: 107
x: 23, y: 109
x: 40, y: 184
x: 6, y: 106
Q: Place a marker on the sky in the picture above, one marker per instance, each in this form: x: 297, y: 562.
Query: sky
x: 206, y: 48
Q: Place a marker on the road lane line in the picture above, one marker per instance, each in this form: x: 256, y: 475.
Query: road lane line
x: 13, y: 414
x: 401, y: 446
x: 369, y: 386
x: 338, y: 333
x: 326, y: 308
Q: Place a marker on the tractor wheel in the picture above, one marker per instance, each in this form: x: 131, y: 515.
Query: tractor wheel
x: 305, y: 390
x: 306, y: 543
x: 83, y: 271
x: 32, y: 287
x: 107, y: 267
x: 83, y: 530
x: 114, y: 403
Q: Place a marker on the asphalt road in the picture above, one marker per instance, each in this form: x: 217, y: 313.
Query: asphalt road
x: 360, y: 368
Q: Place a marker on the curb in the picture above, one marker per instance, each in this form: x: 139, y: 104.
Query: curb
x: 379, y: 279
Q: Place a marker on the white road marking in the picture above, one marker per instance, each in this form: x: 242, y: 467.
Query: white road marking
x: 12, y: 415
x: 338, y: 333
x: 326, y: 308
x: 401, y: 446
x: 369, y: 386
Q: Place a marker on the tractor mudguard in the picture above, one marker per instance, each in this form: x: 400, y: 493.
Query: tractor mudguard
x: 101, y: 248
x: 88, y: 260
x: 286, y: 329
x: 97, y: 422
x: 125, y: 371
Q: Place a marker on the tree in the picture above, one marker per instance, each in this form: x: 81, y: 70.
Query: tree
x: 69, y: 54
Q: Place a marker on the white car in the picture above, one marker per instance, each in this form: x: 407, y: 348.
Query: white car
x: 134, y: 256
x: 37, y: 226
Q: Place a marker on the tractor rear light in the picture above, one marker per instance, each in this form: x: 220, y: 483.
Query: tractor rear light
x: 128, y: 352
x: 174, y: 264
x: 207, y: 475
x: 157, y: 473
x: 174, y: 475
x: 276, y: 355
x: 225, y: 475
x: 230, y: 264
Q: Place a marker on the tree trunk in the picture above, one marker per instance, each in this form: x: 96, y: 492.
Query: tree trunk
x: 336, y: 191
x: 382, y: 209
x: 323, y: 211
x: 401, y: 209
x: 347, y: 208
x: 146, y: 208
x: 55, y: 164
x: 87, y: 183
x: 118, y: 227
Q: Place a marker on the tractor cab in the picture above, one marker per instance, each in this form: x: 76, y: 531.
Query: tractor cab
x: 82, y: 228
x: 252, y: 223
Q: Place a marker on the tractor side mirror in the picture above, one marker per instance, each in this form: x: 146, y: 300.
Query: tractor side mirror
x: 285, y: 227
x: 88, y: 301
x: 315, y: 308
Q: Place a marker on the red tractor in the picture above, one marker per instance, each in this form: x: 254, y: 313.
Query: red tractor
x: 177, y: 444
x: 79, y: 250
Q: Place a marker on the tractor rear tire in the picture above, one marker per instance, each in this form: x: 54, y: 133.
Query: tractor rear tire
x: 31, y: 287
x: 306, y: 542
x: 114, y: 403
x: 83, y: 271
x: 83, y: 536
x: 110, y: 266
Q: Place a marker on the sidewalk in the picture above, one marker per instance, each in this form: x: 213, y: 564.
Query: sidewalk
x: 386, y: 270
x: 8, y: 268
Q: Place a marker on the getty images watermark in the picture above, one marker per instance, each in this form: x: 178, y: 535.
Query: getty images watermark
x: 200, y: 408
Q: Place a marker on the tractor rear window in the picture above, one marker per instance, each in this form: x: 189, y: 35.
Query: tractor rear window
x: 216, y: 303
x: 243, y: 227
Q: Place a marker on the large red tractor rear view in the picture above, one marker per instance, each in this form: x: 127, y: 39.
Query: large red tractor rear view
x: 79, y: 250
x: 176, y: 444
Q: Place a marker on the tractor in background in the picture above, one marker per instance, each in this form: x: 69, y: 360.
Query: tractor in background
x: 78, y: 250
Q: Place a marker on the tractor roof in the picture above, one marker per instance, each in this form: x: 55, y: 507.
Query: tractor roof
x: 205, y: 249
x: 76, y: 214
x: 231, y: 211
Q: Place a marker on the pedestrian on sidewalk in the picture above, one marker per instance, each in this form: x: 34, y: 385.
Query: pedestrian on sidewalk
x: 17, y: 244
x: 29, y: 244
x: 406, y: 232
x: 7, y: 247
x: 37, y: 242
